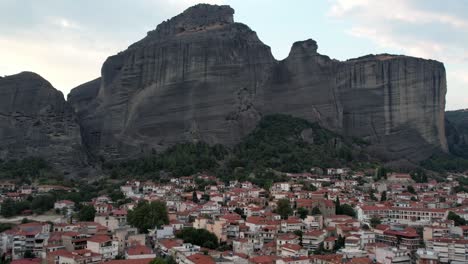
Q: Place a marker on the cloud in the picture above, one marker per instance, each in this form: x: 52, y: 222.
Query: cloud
x: 63, y: 23
x: 399, y: 10
x: 67, y: 41
x: 415, y: 28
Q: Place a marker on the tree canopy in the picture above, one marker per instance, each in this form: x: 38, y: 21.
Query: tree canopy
x: 199, y: 237
x: 283, y: 208
x: 458, y: 220
x: 87, y: 213
x: 148, y: 215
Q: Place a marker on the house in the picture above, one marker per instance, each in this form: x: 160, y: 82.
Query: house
x: 312, y: 239
x: 26, y: 261
x: 104, y: 245
x: 74, y: 241
x: 7, y: 186
x: 292, y: 250
x: 293, y: 260
x: 292, y: 224
x: 139, y: 252
x: 112, y: 220
x: 65, y: 206
x: 263, y: 260
x: 387, y: 255
x: 198, y: 259
x: 287, y: 238
x: 449, y: 250
x: 74, y: 257
x: 164, y: 246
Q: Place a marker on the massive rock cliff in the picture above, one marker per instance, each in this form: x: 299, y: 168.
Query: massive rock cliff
x: 193, y: 78
x: 396, y: 102
x: 202, y: 77
x: 36, y: 121
x: 457, y: 132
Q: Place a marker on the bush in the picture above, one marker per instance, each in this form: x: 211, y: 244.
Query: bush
x: 199, y: 237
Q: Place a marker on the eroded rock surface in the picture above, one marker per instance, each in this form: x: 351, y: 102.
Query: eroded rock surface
x: 202, y: 77
x: 36, y: 121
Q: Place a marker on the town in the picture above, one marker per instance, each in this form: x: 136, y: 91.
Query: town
x: 325, y: 216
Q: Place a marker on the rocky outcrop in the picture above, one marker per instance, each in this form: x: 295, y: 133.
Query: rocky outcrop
x: 395, y: 102
x: 202, y: 77
x: 193, y: 78
x: 457, y: 132
x: 36, y: 121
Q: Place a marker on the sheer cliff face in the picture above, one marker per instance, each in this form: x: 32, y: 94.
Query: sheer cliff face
x: 457, y: 132
x: 396, y: 102
x: 201, y: 76
x: 36, y: 121
x: 304, y: 85
x: 193, y: 78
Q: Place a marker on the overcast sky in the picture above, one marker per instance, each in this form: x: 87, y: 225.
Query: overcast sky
x: 66, y: 41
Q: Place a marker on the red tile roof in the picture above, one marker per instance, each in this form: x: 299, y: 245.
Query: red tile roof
x: 129, y: 261
x: 26, y: 261
x: 201, y: 259
x: 99, y: 238
x: 139, y: 250
x: 263, y: 259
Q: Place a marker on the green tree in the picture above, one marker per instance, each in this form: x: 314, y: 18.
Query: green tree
x: 199, y: 237
x: 8, y: 208
x: 6, y: 226
x: 158, y: 261
x: 419, y: 176
x: 116, y: 195
x: 310, y: 187
x: 316, y: 211
x: 347, y: 209
x: 375, y: 221
x: 383, y: 196
x: 42, y: 203
x: 459, y: 221
x: 240, y: 212
x: 283, y: 208
x: 381, y: 173
x: 340, y: 242
x: 337, y: 206
x: 28, y: 254
x: 195, y: 197
x: 302, y: 212
x: 148, y: 215
x: 411, y: 189
x: 86, y: 213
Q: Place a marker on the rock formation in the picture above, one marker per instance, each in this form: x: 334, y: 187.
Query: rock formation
x: 36, y: 121
x: 202, y: 77
x: 193, y: 78
x: 457, y: 132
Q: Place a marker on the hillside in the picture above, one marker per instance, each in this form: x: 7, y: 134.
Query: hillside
x: 279, y: 142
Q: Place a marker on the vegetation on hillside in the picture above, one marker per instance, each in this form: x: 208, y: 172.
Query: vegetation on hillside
x: 280, y: 143
x: 445, y: 163
x: 29, y: 169
x: 181, y: 159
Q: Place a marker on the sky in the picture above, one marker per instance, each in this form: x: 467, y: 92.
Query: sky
x: 66, y: 41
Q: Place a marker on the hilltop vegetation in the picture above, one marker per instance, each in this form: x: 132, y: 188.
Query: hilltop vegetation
x: 29, y: 169
x: 280, y: 143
